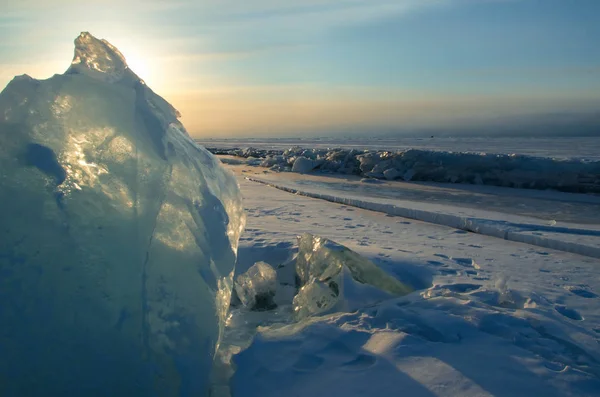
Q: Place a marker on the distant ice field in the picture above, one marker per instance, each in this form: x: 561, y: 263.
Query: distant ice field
x: 587, y: 148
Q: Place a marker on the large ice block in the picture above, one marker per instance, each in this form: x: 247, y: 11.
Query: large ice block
x: 332, y: 277
x: 119, y: 237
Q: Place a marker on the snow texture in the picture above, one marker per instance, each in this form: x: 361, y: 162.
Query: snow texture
x: 534, y: 234
x: 508, y: 170
x: 119, y: 237
x: 257, y: 287
x: 488, y: 317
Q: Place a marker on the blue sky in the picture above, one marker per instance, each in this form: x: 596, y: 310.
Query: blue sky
x: 267, y: 67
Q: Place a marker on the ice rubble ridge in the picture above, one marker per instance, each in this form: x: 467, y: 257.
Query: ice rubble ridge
x: 508, y: 170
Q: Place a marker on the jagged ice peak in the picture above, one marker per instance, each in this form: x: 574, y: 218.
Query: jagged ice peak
x: 99, y: 59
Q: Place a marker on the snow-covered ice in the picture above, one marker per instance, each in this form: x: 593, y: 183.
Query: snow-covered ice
x: 119, y: 237
x: 563, y: 221
x: 488, y: 316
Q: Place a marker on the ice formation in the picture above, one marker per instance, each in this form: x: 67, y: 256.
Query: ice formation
x: 257, y: 287
x: 303, y: 165
x: 509, y: 170
x: 335, y: 278
x: 119, y: 237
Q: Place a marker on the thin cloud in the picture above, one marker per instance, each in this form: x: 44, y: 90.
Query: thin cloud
x: 227, y: 55
x: 547, y: 71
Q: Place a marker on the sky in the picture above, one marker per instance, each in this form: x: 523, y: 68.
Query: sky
x: 325, y: 67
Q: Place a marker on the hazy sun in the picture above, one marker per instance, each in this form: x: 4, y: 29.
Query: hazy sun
x: 141, y: 58
x: 140, y: 66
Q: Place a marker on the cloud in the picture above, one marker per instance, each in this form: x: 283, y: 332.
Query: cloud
x: 546, y: 71
x: 193, y: 31
x: 225, y: 63
x: 197, y: 29
x: 212, y: 56
x: 301, y: 20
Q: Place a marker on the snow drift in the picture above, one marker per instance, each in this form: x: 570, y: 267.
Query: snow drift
x: 119, y: 237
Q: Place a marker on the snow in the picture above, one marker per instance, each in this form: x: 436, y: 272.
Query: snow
x: 119, y: 237
x: 488, y: 316
x: 579, y: 233
x: 508, y: 170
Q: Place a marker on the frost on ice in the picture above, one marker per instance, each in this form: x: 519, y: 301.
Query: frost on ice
x: 119, y: 237
x: 335, y: 278
x: 257, y: 287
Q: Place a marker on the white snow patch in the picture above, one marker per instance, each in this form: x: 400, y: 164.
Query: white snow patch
x: 494, y: 227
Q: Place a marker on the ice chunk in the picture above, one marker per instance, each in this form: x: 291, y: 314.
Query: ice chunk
x: 119, y: 237
x: 392, y: 173
x: 478, y: 180
x: 409, y: 175
x: 257, y: 287
x: 97, y: 59
x: 367, y: 161
x: 333, y: 277
x: 317, y: 297
x: 336, y: 294
x: 303, y: 165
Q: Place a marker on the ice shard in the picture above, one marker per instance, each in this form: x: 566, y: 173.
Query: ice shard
x: 332, y: 277
x: 119, y: 237
x: 257, y: 287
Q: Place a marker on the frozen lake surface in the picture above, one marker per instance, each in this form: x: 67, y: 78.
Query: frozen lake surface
x: 506, y: 297
x: 544, y: 205
x: 488, y: 317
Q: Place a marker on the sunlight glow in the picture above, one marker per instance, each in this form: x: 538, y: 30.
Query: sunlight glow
x: 142, y: 67
x: 221, y: 64
x: 143, y: 57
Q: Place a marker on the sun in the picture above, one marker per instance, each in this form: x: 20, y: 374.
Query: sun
x: 141, y: 58
x: 140, y: 66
